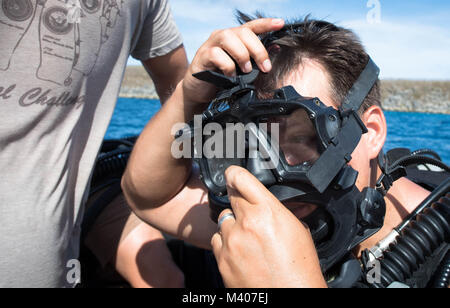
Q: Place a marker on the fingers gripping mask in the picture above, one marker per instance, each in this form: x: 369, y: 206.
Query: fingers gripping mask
x: 298, y: 148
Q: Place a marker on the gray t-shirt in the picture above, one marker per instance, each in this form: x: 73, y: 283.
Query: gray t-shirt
x: 61, y: 66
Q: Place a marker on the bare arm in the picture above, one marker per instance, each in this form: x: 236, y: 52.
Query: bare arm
x: 186, y: 216
x: 146, y: 171
x: 167, y: 71
x: 153, y: 176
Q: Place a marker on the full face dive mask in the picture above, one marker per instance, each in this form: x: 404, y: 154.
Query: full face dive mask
x: 298, y: 148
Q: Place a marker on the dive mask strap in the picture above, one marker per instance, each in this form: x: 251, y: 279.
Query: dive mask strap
x: 342, y: 146
x: 362, y: 87
x: 382, y: 161
x: 388, y: 176
x: 354, y: 100
x: 230, y: 86
x: 225, y: 82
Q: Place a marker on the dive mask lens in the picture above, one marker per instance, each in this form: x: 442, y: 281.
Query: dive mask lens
x: 296, y: 137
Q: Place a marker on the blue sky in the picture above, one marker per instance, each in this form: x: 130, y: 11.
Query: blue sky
x: 407, y: 39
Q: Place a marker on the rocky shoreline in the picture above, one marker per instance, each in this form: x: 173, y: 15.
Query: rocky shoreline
x: 397, y: 95
x: 416, y: 96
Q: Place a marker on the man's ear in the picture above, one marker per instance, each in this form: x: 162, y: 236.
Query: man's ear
x: 376, y: 124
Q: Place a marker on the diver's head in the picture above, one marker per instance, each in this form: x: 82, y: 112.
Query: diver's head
x: 323, y: 60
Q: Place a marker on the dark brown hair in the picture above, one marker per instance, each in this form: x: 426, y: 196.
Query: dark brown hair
x: 337, y: 49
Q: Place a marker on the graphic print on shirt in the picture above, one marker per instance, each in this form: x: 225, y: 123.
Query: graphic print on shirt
x: 97, y: 28
x: 16, y: 17
x: 71, y: 34
x: 111, y: 11
x: 77, y: 32
x: 57, y: 43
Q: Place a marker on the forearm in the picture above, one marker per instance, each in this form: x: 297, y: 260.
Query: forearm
x: 186, y: 216
x: 153, y: 175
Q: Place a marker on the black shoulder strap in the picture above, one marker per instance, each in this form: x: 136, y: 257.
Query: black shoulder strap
x: 401, y: 162
x: 362, y: 87
x: 427, y: 179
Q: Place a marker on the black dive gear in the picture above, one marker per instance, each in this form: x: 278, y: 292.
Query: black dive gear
x: 420, y: 244
x: 417, y: 245
x: 416, y: 253
x: 321, y: 177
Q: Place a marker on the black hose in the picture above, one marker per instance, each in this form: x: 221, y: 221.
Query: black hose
x: 112, y: 144
x: 441, y: 279
x: 432, y: 198
x: 418, y: 160
x: 417, y: 241
x: 426, y: 152
x: 110, y: 164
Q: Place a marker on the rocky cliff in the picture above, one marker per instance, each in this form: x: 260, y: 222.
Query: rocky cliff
x: 397, y: 95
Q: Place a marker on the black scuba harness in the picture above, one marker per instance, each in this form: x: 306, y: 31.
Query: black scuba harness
x: 417, y: 252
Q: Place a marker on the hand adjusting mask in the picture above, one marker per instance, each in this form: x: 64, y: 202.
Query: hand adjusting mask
x: 298, y: 148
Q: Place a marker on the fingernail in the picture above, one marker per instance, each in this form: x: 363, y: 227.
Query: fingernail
x: 277, y: 21
x: 267, y: 66
x: 248, y: 67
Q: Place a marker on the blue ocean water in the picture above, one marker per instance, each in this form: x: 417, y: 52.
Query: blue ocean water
x: 409, y: 130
